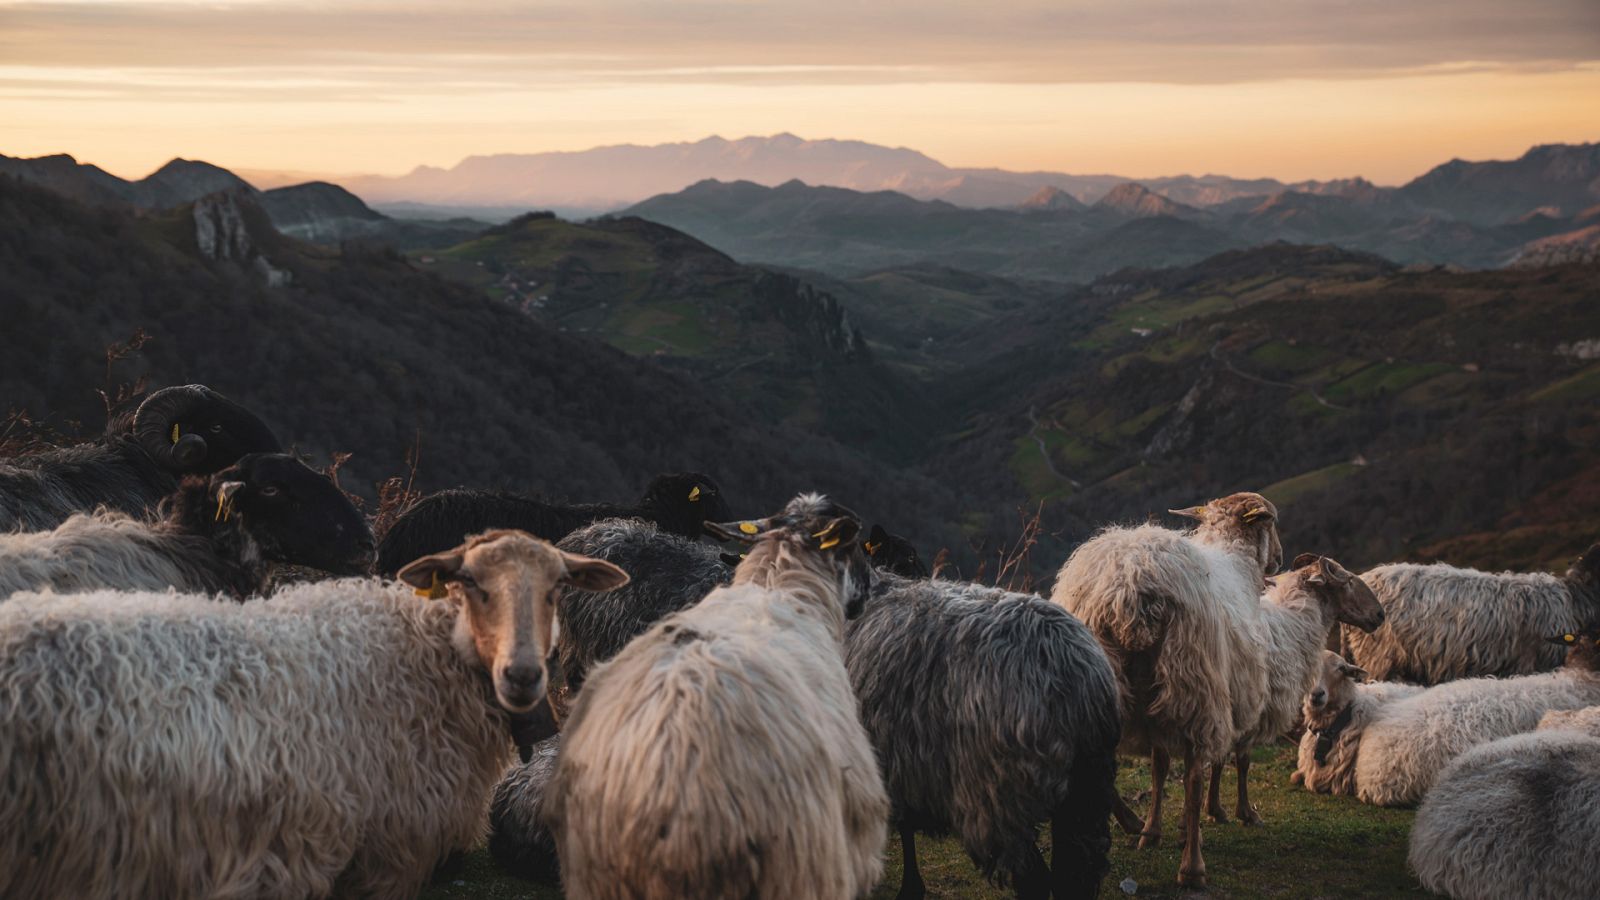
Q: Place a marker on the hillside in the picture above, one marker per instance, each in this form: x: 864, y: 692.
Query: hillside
x: 1370, y: 403
x: 323, y: 213
x: 359, y: 351
x: 789, y: 352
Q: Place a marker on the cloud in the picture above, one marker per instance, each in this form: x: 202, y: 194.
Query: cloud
x: 270, y: 49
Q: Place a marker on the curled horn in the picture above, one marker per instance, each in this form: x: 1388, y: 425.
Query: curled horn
x: 155, y: 428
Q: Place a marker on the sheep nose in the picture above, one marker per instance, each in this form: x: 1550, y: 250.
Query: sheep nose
x: 524, y: 675
x: 1317, y: 697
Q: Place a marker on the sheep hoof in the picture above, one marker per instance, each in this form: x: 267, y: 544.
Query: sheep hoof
x: 1192, y: 880
x: 1248, y: 816
x: 1218, y: 815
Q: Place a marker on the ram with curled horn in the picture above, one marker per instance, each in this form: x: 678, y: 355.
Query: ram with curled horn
x: 176, y: 431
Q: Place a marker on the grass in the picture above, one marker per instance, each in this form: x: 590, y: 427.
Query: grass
x: 1287, y: 491
x: 1311, y: 846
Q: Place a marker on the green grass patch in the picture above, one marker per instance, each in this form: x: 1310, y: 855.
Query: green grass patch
x: 1310, y: 846
x: 1287, y: 491
x: 1583, y: 386
x: 1383, y: 379
x: 1291, y: 359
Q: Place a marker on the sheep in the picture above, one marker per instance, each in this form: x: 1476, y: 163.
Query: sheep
x: 719, y: 754
x: 990, y: 712
x: 1336, y: 710
x: 175, y: 431
x: 218, y: 534
x: 1401, y: 750
x: 1296, y: 613
x: 893, y: 553
x: 1178, y: 614
x: 1447, y: 623
x: 518, y: 838
x: 669, y: 573
x: 340, y: 737
x: 680, y: 503
x: 1516, y: 817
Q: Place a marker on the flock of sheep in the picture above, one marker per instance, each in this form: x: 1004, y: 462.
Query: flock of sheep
x: 698, y: 723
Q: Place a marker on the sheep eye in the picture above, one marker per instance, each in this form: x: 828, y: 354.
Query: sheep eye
x: 216, y: 429
x: 272, y: 491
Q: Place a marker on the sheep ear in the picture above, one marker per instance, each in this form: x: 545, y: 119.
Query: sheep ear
x: 744, y: 532
x: 427, y: 573
x: 226, y: 492
x: 1193, y: 512
x: 589, y: 574
x: 1303, y: 560
x: 840, y: 532
x: 1353, y: 672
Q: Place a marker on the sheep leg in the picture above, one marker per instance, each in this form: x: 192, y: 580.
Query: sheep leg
x: 1033, y: 882
x: 1159, y: 761
x: 1192, y: 868
x: 1214, y: 796
x: 1127, y: 819
x: 1080, y: 836
x: 1247, y: 813
x: 911, y: 886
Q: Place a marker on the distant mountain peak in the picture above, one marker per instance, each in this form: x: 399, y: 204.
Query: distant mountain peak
x: 1134, y: 199
x: 1051, y: 198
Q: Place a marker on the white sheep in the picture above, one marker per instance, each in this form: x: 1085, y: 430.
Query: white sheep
x: 720, y: 754
x: 1338, y: 707
x: 1179, y: 615
x: 1446, y: 623
x: 1389, y: 753
x: 340, y: 737
x: 1296, y: 613
x: 1517, y: 817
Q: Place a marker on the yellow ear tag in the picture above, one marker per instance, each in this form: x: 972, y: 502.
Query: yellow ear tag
x: 1569, y: 638
x: 435, y: 591
x: 748, y: 527
x: 871, y: 548
x: 694, y: 495
x: 224, y: 508
x: 174, y: 432
x: 830, y: 542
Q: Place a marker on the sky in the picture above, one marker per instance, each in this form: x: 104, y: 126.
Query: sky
x: 1282, y: 88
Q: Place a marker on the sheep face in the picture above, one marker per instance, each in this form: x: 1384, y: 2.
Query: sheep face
x: 893, y: 553
x: 290, y: 513
x: 822, y: 531
x: 1334, y: 689
x: 504, y: 585
x: 1583, y: 648
x: 1242, y: 517
x: 684, y: 502
x: 1585, y: 571
x: 1347, y: 598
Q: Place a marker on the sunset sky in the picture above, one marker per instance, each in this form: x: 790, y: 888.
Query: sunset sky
x: 1286, y: 88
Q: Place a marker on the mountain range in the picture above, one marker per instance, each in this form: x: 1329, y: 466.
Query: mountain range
x: 1560, y: 178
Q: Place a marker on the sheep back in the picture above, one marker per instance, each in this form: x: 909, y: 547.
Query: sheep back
x: 1179, y: 620
x: 1443, y: 623
x: 987, y: 709
x: 1517, y: 817
x: 720, y: 755
x: 1403, y: 751
x: 328, y: 740
x: 106, y: 550
x: 668, y: 573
